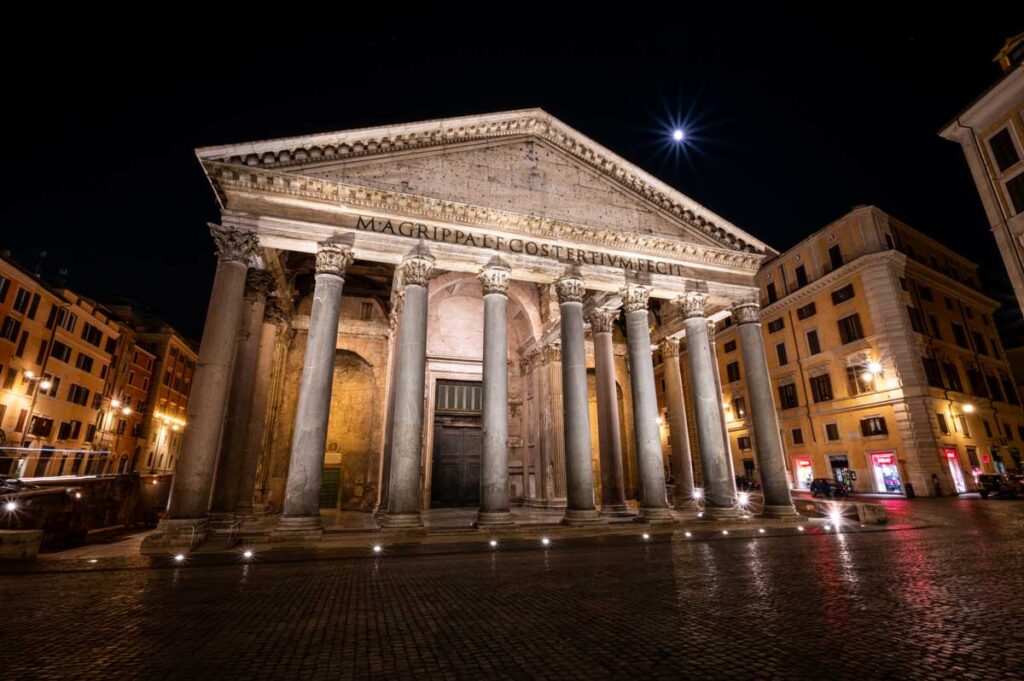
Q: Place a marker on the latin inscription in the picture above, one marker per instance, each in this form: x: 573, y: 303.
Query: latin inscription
x: 567, y: 254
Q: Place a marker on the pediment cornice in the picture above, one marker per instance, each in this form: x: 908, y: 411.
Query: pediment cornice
x: 296, y: 152
x: 228, y: 178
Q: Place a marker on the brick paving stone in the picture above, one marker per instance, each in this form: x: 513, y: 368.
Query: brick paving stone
x: 929, y: 603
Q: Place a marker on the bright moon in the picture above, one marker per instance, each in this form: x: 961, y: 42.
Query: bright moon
x: 677, y: 135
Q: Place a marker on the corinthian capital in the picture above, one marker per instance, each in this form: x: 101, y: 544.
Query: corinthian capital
x: 495, y: 276
x: 417, y: 267
x: 553, y: 352
x: 332, y: 258
x: 634, y: 297
x: 692, y: 304
x: 603, y: 321
x: 570, y: 288
x: 258, y: 283
x: 745, y: 312
x: 236, y: 245
x: 669, y: 347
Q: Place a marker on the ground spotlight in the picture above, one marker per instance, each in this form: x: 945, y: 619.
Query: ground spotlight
x: 11, y: 506
x: 687, y: 534
x: 377, y: 548
x: 494, y: 543
x: 545, y: 541
x: 744, y: 498
x: 725, y: 532
x: 247, y: 554
x: 799, y: 528
x: 760, y: 530
x: 179, y: 558
x: 836, y: 516
x: 698, y: 493
x: 646, y: 536
x: 92, y: 560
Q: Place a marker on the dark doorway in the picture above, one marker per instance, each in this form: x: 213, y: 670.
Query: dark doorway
x: 455, y: 473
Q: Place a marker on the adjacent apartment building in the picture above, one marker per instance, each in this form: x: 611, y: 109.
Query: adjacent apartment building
x: 56, y: 350
x: 887, y: 368
x: 991, y: 133
x: 172, y: 362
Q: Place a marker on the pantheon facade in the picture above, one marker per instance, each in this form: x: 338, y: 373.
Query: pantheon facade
x: 464, y: 312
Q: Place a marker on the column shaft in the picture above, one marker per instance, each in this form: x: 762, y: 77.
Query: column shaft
x: 190, y: 493
x: 407, y: 430
x: 719, y: 486
x: 653, y: 502
x: 309, y: 439
x: 679, y: 436
x: 770, y: 453
x: 721, y: 398
x: 609, y: 435
x: 236, y: 422
x: 258, y: 414
x: 579, y: 471
x: 494, y: 505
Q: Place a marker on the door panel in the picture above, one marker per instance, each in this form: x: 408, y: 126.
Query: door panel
x: 456, y: 466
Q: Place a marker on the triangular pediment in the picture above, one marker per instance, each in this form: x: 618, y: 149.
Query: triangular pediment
x: 524, y: 162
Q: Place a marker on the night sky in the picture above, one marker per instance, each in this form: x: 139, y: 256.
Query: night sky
x: 792, y: 121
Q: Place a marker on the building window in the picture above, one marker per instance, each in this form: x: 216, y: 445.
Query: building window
x: 988, y: 428
x: 843, y: 294
x: 994, y: 388
x: 780, y: 353
x: 732, y: 371
x: 959, y: 335
x: 10, y: 329
x: 850, y: 329
x: 1015, y: 188
x: 977, y: 382
x: 22, y: 342
x: 366, y: 311
x: 1003, y: 150
x: 739, y: 408
x: 873, y: 426
x: 949, y: 303
x: 931, y: 372
x: 84, y: 362
x: 776, y: 325
x: 798, y: 436
x: 934, y: 323
x: 21, y: 300
x: 859, y: 380
x: 1020, y: 432
x: 832, y: 432
x: 5, y: 286
x: 943, y: 426
x: 924, y: 292
x: 835, y: 257
x: 813, y: 346
x: 916, y: 320
x: 964, y: 428
x: 41, y: 355
x: 54, y: 385
x: 979, y: 343
x: 1011, y: 391
x: 821, y: 388
x: 730, y: 346
x: 808, y: 310
x: 91, y: 335
x: 121, y: 424
x: 1008, y: 431
x: 787, y: 396
x: 78, y: 395
x: 773, y: 295
x: 60, y: 352
x: 801, y: 276
x: 744, y: 442
x: 952, y: 377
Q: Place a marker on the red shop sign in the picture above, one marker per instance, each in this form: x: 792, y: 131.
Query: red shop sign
x: 883, y: 458
x: 951, y: 454
x: 803, y: 463
x: 985, y: 458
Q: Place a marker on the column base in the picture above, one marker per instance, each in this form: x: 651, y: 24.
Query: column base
x: 494, y: 519
x: 712, y: 513
x: 221, y: 521
x: 298, y: 528
x: 401, y: 522
x: 787, y: 513
x: 574, y: 518
x: 173, y: 535
x: 656, y: 515
x: 617, y: 510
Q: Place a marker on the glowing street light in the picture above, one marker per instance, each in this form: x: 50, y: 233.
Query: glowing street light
x: 126, y: 411
x: 115, y: 403
x: 875, y: 368
x: 11, y: 506
x: 968, y: 408
x: 45, y: 384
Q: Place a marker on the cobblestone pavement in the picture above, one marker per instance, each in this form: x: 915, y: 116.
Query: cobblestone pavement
x: 938, y: 602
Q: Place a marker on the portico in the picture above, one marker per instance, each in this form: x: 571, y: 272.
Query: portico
x: 471, y: 304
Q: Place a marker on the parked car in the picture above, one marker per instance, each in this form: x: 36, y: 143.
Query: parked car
x: 825, y: 487
x: 999, y: 485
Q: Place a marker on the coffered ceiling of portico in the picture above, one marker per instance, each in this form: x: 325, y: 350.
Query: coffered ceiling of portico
x: 519, y: 162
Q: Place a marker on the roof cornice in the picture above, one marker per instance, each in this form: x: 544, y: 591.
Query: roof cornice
x: 294, y: 152
x: 228, y: 178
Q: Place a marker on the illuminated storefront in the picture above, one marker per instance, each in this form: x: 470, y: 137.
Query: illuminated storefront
x: 955, y: 472
x: 887, y: 474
